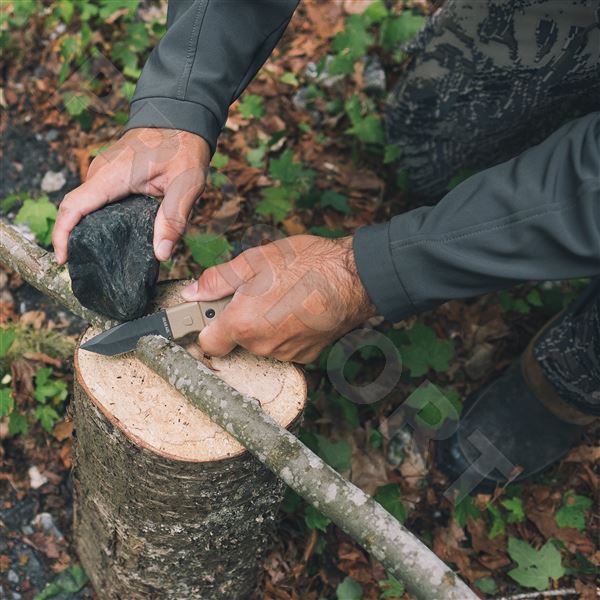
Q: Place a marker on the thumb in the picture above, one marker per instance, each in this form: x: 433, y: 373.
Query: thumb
x: 220, y: 281
x: 174, y: 210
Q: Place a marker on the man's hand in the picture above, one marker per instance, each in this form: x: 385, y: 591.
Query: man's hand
x: 156, y: 162
x: 291, y: 298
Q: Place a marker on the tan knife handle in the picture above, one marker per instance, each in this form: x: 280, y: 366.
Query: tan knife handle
x: 194, y: 316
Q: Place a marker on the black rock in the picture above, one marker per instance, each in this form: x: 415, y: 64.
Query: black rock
x: 111, y: 260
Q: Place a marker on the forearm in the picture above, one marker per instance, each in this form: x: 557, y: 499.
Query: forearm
x: 535, y: 217
x: 210, y: 52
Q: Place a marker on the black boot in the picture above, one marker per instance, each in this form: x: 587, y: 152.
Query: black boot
x: 516, y: 426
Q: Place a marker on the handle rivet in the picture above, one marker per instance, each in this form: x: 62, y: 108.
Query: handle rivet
x: 210, y: 313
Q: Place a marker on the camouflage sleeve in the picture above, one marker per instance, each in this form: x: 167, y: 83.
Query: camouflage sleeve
x: 535, y: 217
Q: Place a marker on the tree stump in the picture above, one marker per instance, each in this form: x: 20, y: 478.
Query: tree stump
x: 166, y: 503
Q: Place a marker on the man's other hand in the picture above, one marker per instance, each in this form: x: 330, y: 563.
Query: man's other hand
x: 167, y: 163
x: 291, y: 298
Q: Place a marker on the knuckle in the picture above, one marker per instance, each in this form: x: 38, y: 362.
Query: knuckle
x: 245, y: 329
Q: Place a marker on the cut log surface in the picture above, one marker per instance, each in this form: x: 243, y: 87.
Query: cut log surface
x: 167, y: 504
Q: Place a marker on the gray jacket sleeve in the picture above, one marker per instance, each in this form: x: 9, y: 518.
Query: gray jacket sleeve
x: 209, y: 54
x: 536, y: 217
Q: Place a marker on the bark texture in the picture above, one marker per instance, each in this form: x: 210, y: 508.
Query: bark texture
x: 148, y: 526
x: 425, y: 575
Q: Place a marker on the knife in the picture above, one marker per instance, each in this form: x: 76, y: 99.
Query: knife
x: 172, y: 323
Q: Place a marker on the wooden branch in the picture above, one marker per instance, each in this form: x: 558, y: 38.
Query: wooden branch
x: 366, y: 521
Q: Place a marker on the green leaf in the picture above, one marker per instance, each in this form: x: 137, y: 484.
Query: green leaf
x: 208, y: 249
x: 465, y: 510
x: 391, y: 153
x: 376, y: 438
x: 7, y: 337
x: 487, y: 585
x: 9, y: 202
x: 40, y: 215
x: 219, y: 160
x: 314, y: 519
x: 400, y: 29
x: 251, y: 106
x: 348, y: 409
x: 68, y: 582
x: 289, y: 79
x: 572, y: 511
x: 326, y: 232
x: 375, y: 12
x: 498, y: 525
x: 425, y: 351
x: 6, y: 401
x: 256, y: 156
x: 534, y: 298
x: 337, y: 455
x: 349, y: 590
x: 391, y: 587
x: 75, y: 103
x: 285, y: 169
x: 336, y: 201
x: 341, y: 64
x: 47, y: 417
x: 535, y: 567
x: 17, y: 423
x: 514, y: 506
x: 434, y: 405
x: 354, y: 39
x: 389, y: 497
x: 277, y: 203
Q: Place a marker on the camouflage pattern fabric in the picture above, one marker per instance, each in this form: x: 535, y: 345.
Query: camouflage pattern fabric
x: 569, y: 353
x: 490, y: 78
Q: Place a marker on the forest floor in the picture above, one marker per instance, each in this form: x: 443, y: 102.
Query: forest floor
x: 303, y: 151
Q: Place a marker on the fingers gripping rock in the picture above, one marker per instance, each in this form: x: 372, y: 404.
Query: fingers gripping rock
x: 111, y: 260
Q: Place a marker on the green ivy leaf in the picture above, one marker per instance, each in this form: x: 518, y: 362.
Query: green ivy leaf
x: 314, y: 519
x: 348, y: 409
x: 208, y: 249
x: 75, y: 103
x: 289, y: 79
x: 425, y: 351
x: 7, y: 337
x: 534, y: 298
x: 514, y: 506
x: 67, y: 582
x: 354, y: 39
x: 277, y: 203
x: 337, y: 455
x: 256, y: 156
x: 336, y: 201
x: 326, y: 232
x: 251, y: 106
x: 17, y: 423
x: 391, y: 587
x: 6, y: 401
x: 400, y: 30
x: 349, y: 590
x: 375, y: 12
x: 219, y: 160
x: 572, y: 512
x: 465, y: 510
x: 487, y: 585
x: 285, y: 169
x: 47, y: 417
x: 389, y: 497
x: 40, y: 216
x: 498, y: 525
x: 535, y: 567
x: 391, y: 153
x: 434, y: 405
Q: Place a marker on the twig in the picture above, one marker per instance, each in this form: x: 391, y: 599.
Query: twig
x: 366, y: 521
x: 548, y: 594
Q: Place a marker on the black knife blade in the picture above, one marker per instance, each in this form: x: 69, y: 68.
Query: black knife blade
x: 124, y: 337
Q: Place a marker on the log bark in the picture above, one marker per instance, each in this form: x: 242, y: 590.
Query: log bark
x: 167, y: 504
x: 425, y: 576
